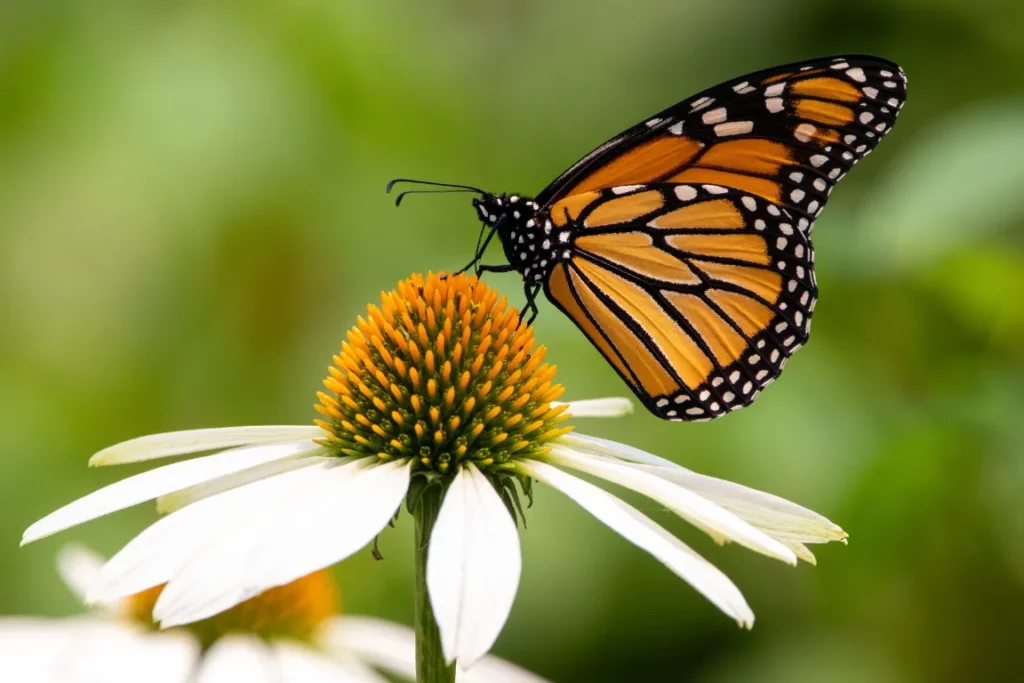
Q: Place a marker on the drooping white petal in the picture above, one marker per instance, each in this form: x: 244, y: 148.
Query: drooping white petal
x: 188, y: 441
x: 237, y: 658
x: 160, y: 481
x: 801, y: 551
x: 332, y: 516
x: 685, y: 503
x: 473, y: 566
x: 160, y: 551
x: 391, y: 647
x: 613, y: 449
x: 167, y: 504
x: 297, y: 663
x: 79, y: 568
x: 776, y: 516
x: 598, y: 407
x: 640, y: 530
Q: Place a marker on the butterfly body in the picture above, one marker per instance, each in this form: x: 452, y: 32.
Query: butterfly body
x: 528, y: 237
x: 682, y: 247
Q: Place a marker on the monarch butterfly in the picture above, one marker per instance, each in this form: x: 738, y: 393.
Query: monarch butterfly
x: 681, y: 247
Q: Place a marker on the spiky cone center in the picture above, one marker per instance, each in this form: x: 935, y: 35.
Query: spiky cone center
x: 295, y: 610
x: 444, y: 371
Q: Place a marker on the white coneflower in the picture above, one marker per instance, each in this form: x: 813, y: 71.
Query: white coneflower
x: 438, y: 398
x: 288, y: 634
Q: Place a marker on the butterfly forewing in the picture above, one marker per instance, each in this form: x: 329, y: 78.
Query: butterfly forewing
x: 786, y: 135
x: 695, y: 293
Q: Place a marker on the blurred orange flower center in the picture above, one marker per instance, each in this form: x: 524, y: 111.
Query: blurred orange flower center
x: 294, y: 610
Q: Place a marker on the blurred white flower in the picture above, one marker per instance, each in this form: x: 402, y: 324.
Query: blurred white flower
x: 291, y: 634
x: 441, y: 386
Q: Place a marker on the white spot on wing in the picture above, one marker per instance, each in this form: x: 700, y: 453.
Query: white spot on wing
x: 701, y: 103
x: 715, y: 116
x: 804, y: 132
x: 734, y: 128
x: 686, y: 193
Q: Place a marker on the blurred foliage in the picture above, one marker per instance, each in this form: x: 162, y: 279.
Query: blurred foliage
x: 192, y: 213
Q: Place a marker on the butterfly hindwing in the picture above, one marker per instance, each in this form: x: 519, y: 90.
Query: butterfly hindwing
x: 696, y: 293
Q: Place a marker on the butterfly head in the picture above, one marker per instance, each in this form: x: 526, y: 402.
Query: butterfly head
x: 524, y: 231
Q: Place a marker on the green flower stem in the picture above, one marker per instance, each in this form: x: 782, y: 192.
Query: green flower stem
x: 430, y: 664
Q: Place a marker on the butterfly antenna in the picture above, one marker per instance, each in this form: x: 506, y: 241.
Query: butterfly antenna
x: 398, y: 199
x: 468, y: 188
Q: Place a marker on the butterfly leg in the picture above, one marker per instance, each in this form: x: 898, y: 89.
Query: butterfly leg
x: 531, y: 292
x: 494, y: 269
x: 481, y: 247
x: 477, y: 251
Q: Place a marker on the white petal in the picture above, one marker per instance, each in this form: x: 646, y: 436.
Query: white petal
x: 302, y: 664
x: 685, y: 503
x: 150, y: 657
x: 491, y: 669
x: 644, y: 533
x: 303, y: 530
x: 392, y: 648
x: 382, y: 644
x: 167, y: 504
x: 598, y: 407
x: 613, y: 449
x: 360, y: 671
x: 237, y: 659
x: 776, y: 516
x: 801, y: 551
x: 59, y: 650
x: 197, y: 440
x: 79, y: 568
x: 473, y: 566
x: 148, y: 485
x: 92, y: 650
x: 160, y: 551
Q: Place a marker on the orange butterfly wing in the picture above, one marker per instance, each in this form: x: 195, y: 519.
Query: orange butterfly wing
x: 692, y: 267
x: 696, y: 294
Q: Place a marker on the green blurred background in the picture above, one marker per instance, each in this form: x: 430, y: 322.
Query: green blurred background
x: 192, y: 212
